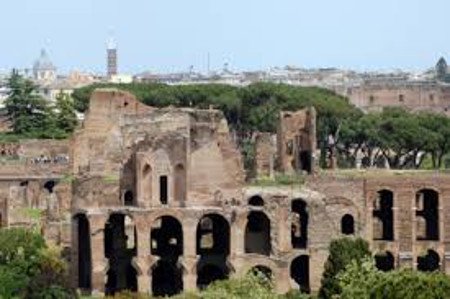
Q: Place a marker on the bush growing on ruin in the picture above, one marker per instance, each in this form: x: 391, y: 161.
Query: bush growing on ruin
x: 342, y: 252
x: 28, y: 269
x: 363, y: 280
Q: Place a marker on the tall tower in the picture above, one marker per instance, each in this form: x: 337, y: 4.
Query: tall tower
x: 111, y: 50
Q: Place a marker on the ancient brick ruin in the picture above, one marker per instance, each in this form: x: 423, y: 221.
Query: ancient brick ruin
x: 154, y: 200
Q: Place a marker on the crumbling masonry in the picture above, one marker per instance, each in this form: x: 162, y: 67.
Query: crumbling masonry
x: 154, y: 200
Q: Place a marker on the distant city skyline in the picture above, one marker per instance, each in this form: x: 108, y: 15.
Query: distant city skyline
x: 171, y: 35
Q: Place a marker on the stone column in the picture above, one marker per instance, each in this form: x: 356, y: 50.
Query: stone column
x: 237, y: 234
x: 99, y: 262
x: 190, y: 254
x: 283, y: 280
x: 284, y: 228
x: 143, y: 255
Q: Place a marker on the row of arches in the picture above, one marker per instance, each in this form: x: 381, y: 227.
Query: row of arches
x: 166, y: 242
x: 426, y: 215
x: 428, y: 262
x: 300, y: 221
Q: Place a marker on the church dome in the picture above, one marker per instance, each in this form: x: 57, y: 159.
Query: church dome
x: 43, y: 63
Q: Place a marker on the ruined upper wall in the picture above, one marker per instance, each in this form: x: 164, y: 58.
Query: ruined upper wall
x: 128, y: 147
x: 35, y: 157
x: 296, y: 139
x: 373, y: 97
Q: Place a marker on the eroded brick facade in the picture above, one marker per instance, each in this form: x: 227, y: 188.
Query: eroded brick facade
x: 154, y: 200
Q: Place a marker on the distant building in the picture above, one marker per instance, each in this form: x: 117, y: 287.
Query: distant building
x: 44, y: 71
x: 111, y: 52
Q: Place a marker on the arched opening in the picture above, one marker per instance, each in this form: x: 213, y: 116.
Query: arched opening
x: 166, y: 238
x: 347, y: 225
x: 429, y: 262
x: 180, y: 183
x: 120, y: 248
x: 257, y: 234
x: 166, y: 241
x: 213, y: 235
x: 427, y: 215
x: 385, y: 261
x: 128, y: 198
x: 167, y: 279
x: 84, y: 258
x: 209, y: 273
x: 256, y: 201
x: 49, y: 185
x: 263, y: 272
x: 383, y: 216
x: 147, y: 181
x: 300, y: 273
x: 299, y: 225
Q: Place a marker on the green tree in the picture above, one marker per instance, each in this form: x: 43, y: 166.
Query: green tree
x: 27, y: 111
x: 342, y: 252
x: 66, y: 118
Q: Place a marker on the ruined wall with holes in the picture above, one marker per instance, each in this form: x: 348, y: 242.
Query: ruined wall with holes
x: 153, y: 200
x: 296, y: 141
x: 35, y: 187
x: 265, y: 154
x: 373, y: 97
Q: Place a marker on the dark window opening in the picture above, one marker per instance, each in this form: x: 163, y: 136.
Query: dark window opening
x: 383, y: 216
x: 306, y: 161
x: 209, y: 273
x: 428, y: 262
x: 120, y: 248
x: 300, y: 273
x: 427, y: 215
x: 347, y: 225
x: 256, y: 201
x: 167, y: 238
x: 128, y: 198
x: 49, y: 186
x: 401, y: 98
x: 180, y: 183
x: 257, y: 234
x: 84, y: 252
x: 385, y: 261
x: 167, y: 279
x: 299, y: 225
x: 163, y: 191
x: 213, y: 236
x: 262, y: 272
x: 371, y: 99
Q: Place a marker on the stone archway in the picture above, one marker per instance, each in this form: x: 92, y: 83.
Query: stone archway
x: 299, y: 272
x: 120, y: 244
x: 166, y: 242
x: 257, y: 233
x: 84, y: 257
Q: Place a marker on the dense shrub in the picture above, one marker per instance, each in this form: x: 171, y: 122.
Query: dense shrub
x: 28, y: 269
x: 363, y: 280
x: 342, y: 252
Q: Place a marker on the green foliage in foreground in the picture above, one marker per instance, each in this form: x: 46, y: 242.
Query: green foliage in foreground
x: 29, y: 269
x: 342, y: 253
x: 361, y: 280
x: 251, y: 286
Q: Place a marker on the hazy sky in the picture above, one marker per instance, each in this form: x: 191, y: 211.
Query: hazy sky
x: 170, y: 35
